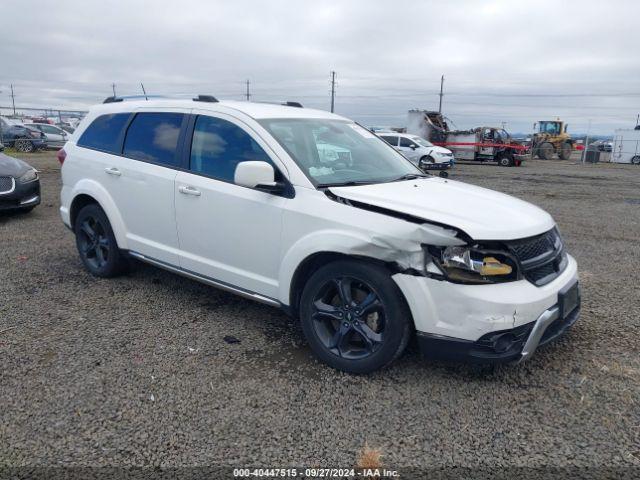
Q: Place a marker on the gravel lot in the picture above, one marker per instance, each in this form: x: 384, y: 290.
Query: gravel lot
x: 135, y: 370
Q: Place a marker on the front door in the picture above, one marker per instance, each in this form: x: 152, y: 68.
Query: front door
x: 227, y: 232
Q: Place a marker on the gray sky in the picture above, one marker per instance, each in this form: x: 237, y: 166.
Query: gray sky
x: 503, y: 61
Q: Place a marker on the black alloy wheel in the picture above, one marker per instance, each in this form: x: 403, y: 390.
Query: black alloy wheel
x: 354, y: 316
x: 349, y: 318
x: 93, y: 242
x: 96, y: 243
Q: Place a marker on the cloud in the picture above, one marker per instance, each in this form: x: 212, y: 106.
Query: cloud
x: 513, y: 62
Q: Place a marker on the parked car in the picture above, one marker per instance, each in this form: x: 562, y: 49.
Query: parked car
x: 235, y: 195
x: 56, y: 137
x: 602, y: 146
x: 421, y: 152
x: 19, y: 185
x: 24, y: 139
x: 67, y: 128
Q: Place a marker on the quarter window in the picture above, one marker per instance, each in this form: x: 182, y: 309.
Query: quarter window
x: 104, y: 133
x: 153, y: 137
x: 218, y: 146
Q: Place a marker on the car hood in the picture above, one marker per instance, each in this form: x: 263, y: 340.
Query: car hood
x: 481, y: 213
x: 12, y: 166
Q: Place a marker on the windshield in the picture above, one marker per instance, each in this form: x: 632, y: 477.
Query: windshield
x: 421, y: 141
x: 336, y: 152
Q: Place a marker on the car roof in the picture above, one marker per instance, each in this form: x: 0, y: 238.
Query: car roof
x: 255, y: 110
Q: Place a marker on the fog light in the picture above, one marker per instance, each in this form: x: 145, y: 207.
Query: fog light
x: 504, y: 342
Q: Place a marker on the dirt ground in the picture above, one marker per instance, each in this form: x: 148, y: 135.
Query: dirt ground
x: 136, y: 371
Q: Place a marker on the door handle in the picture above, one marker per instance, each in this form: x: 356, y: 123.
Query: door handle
x: 189, y: 191
x: 113, y: 171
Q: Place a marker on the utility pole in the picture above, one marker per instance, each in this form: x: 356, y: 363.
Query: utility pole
x: 13, y: 100
x: 144, y: 92
x: 113, y: 87
x: 248, y: 95
x: 586, y: 143
x: 333, y: 90
x: 441, y: 93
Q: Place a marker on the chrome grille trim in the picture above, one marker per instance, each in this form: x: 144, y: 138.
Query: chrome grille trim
x: 7, y: 185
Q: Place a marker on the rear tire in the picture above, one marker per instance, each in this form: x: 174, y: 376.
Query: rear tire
x: 354, y: 316
x: 545, y: 151
x: 565, y: 151
x: 97, y: 244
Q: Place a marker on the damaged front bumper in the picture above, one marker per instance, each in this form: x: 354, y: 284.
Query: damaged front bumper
x: 489, y: 323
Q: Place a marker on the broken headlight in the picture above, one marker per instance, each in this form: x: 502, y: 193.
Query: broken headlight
x: 473, y: 264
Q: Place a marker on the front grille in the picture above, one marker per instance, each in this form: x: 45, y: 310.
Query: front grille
x: 542, y: 257
x: 6, y: 184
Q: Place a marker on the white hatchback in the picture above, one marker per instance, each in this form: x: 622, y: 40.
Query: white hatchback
x: 307, y: 211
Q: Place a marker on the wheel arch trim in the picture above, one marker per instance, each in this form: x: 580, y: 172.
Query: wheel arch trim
x: 93, y: 189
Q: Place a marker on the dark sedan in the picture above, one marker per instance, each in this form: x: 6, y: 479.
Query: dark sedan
x: 22, y: 138
x: 19, y: 185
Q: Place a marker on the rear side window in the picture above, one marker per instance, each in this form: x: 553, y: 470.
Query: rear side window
x: 218, y: 146
x: 104, y: 133
x: 153, y: 137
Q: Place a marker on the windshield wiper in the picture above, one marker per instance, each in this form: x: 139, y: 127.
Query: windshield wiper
x: 410, y: 176
x: 350, y: 183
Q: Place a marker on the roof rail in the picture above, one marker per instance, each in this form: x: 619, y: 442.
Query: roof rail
x: 285, y: 104
x: 113, y: 99
x: 206, y: 98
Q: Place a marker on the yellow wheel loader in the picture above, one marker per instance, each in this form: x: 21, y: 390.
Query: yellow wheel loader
x: 552, y: 138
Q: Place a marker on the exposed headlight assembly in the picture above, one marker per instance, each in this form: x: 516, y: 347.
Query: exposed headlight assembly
x: 30, y: 176
x: 474, y: 264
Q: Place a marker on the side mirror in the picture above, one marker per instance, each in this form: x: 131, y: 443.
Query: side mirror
x: 413, y: 146
x: 257, y: 174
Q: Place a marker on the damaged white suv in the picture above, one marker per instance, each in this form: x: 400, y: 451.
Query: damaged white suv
x: 365, y: 249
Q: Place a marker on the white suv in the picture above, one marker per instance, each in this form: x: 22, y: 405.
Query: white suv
x: 363, y: 247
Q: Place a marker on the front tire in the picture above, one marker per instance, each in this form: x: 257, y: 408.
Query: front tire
x: 424, y: 161
x: 505, y: 161
x: 24, y: 146
x: 354, y: 316
x: 545, y: 151
x: 635, y: 160
x: 97, y: 244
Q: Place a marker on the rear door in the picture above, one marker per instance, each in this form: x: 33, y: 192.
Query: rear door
x: 227, y: 232
x: 139, y: 175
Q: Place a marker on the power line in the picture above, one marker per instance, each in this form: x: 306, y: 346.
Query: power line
x: 333, y: 89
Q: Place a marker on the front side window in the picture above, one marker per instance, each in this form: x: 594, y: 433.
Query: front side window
x: 406, y: 142
x: 153, y: 137
x: 218, y: 146
x: 338, y: 152
x: 104, y: 133
x: 390, y: 140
